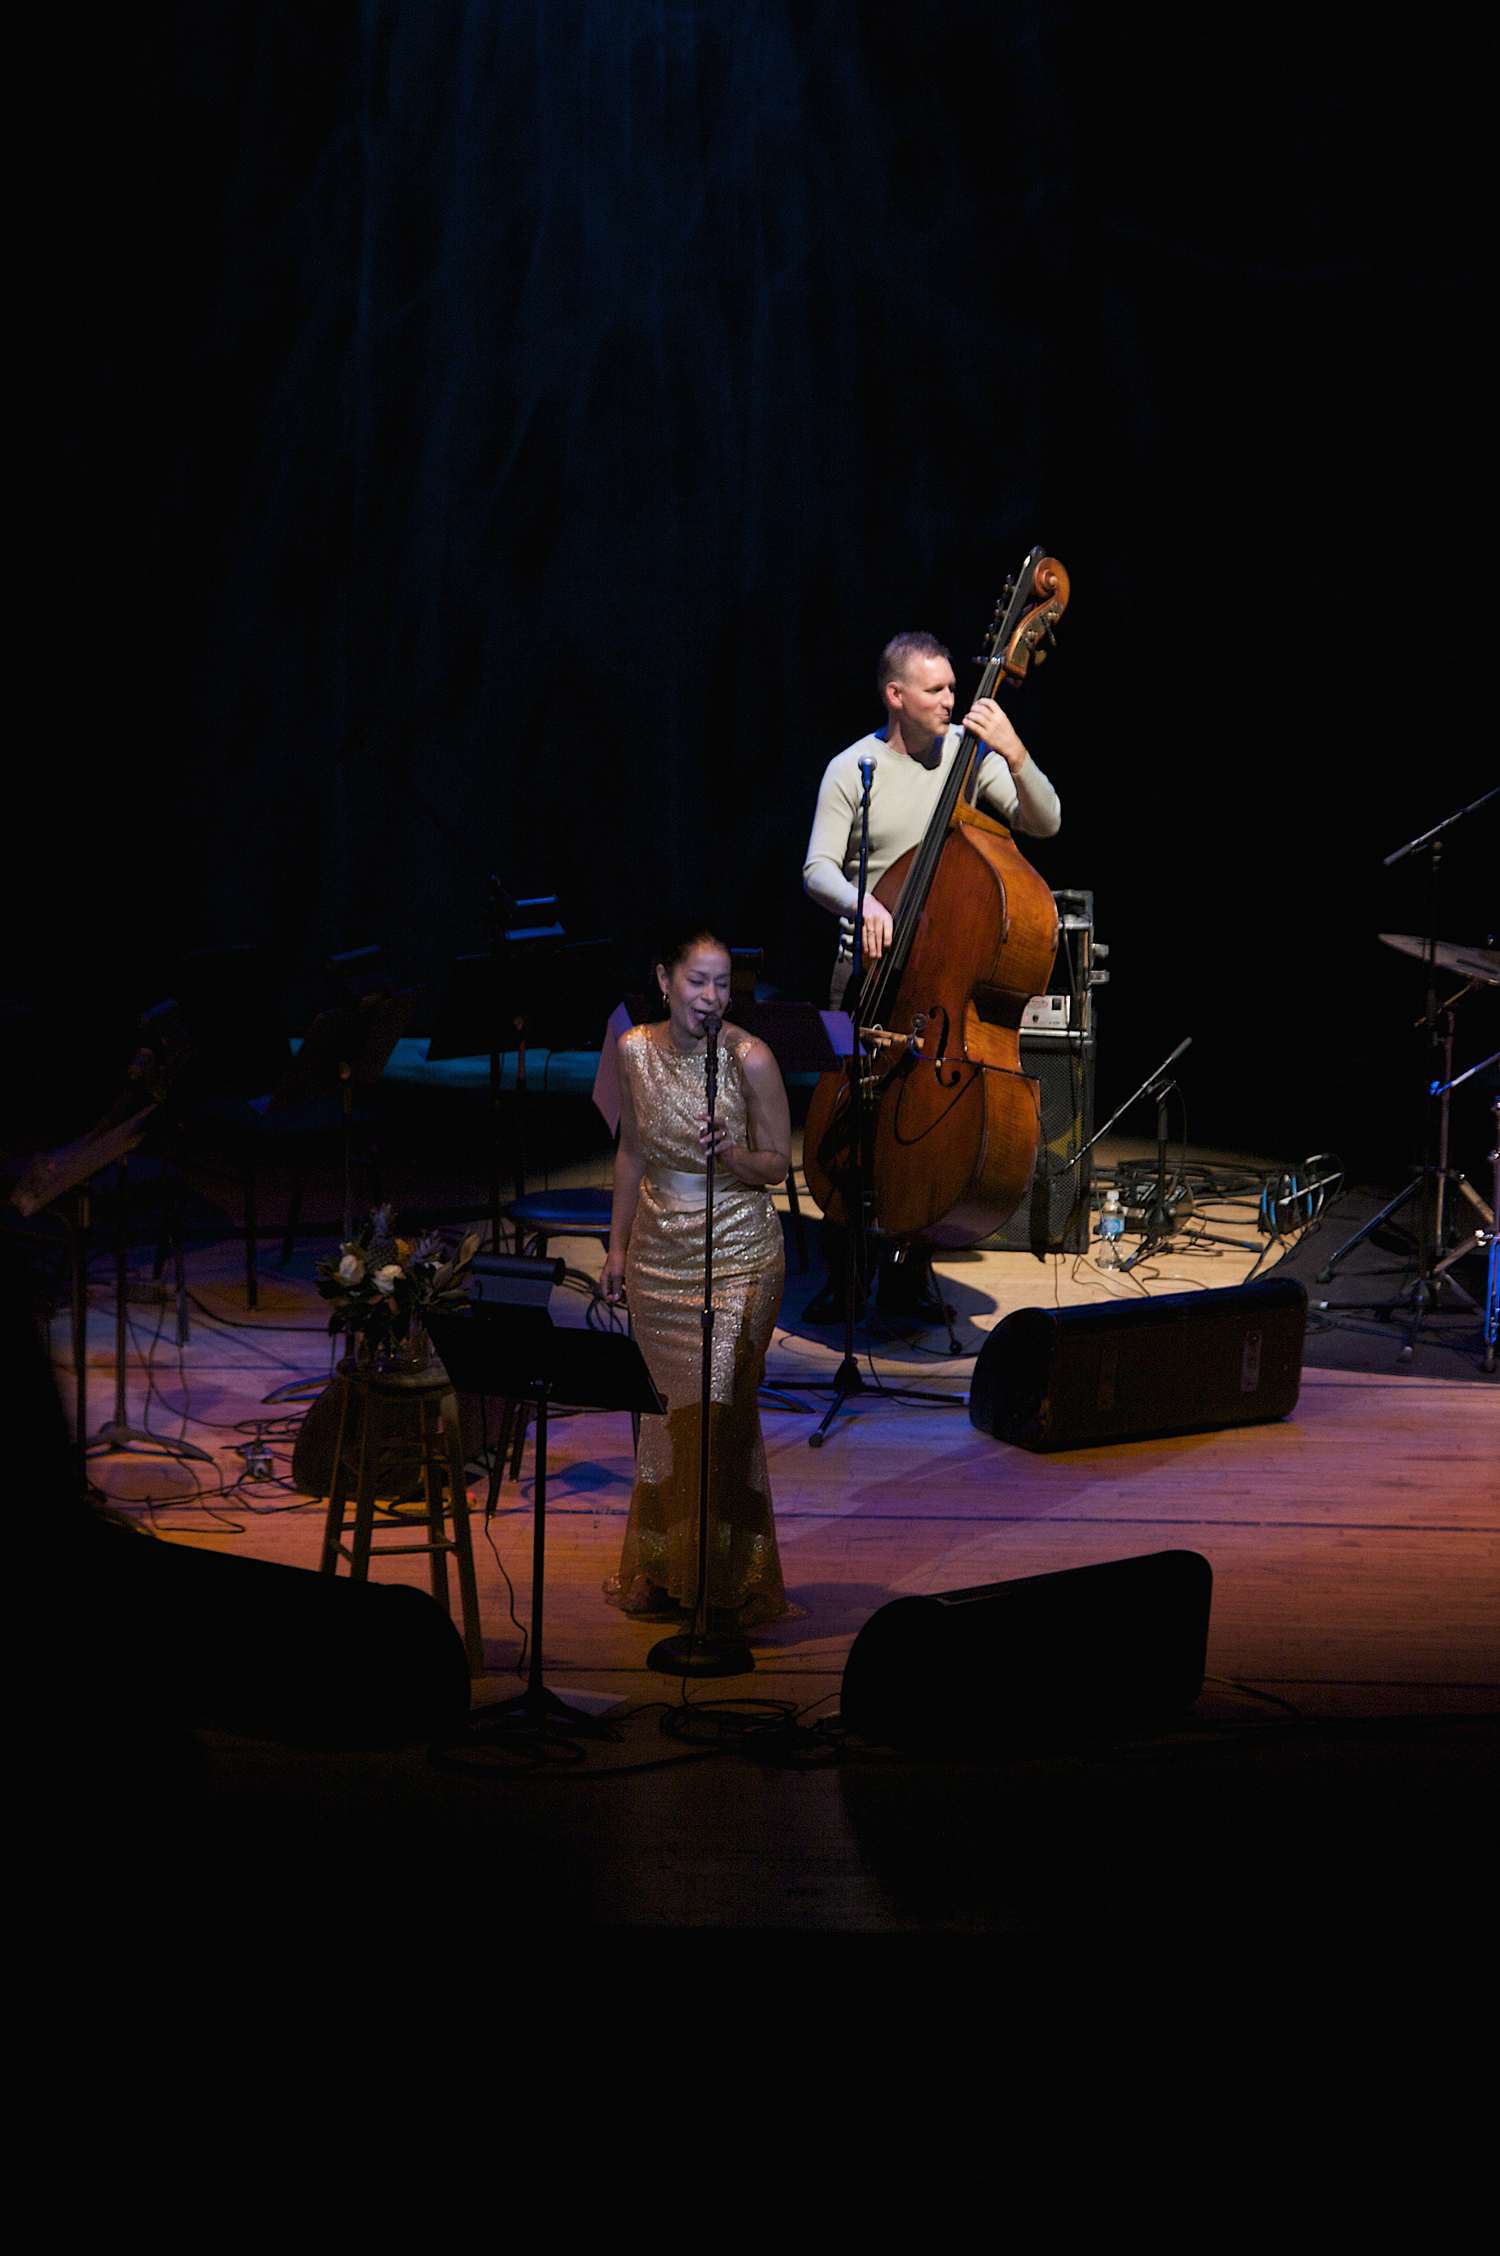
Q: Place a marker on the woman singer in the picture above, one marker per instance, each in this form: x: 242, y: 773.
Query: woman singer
x: 655, y: 1265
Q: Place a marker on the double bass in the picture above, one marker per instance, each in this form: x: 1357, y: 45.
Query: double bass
x: 950, y: 1123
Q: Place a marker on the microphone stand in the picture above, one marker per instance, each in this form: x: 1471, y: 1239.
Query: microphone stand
x: 847, y: 1379
x: 700, y: 1651
x: 1158, y: 1229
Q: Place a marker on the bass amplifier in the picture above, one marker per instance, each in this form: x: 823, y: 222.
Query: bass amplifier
x: 1054, y: 1215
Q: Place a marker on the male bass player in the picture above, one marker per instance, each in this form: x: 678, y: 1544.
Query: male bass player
x: 912, y: 754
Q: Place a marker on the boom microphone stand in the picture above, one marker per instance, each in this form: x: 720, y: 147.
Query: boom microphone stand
x: 1159, y: 1084
x: 700, y: 1651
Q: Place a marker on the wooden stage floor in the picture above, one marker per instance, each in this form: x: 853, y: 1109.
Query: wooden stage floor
x: 1356, y: 1558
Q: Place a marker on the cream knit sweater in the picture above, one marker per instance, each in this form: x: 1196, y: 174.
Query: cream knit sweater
x: 903, y: 793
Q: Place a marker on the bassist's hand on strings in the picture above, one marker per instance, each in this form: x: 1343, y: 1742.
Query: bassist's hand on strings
x: 991, y: 724
x: 875, y: 935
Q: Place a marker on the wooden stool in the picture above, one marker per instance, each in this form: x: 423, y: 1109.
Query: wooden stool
x: 377, y: 1426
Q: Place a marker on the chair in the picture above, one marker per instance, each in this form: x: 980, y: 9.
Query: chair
x: 541, y: 1215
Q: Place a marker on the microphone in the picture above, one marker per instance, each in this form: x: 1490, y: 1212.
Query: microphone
x: 866, y: 769
x: 711, y: 1028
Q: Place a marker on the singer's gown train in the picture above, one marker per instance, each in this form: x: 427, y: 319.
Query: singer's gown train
x: 664, y: 1292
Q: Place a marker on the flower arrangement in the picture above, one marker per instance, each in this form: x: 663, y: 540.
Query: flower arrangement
x: 383, y: 1287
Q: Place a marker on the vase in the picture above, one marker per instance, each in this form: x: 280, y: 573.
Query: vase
x: 411, y: 1358
x: 414, y: 1354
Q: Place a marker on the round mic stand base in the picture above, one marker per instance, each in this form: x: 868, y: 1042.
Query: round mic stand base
x: 701, y: 1653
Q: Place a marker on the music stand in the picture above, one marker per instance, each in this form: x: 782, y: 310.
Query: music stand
x: 164, y: 1050
x: 71, y: 1167
x: 540, y: 986
x: 519, y: 1354
x: 343, y: 1047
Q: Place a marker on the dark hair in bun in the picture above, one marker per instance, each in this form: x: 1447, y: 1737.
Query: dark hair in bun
x: 681, y: 938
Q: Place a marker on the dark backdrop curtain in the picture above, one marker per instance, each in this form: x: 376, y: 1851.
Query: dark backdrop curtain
x: 553, y: 407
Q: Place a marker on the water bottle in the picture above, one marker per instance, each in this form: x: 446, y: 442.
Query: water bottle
x: 1111, y: 1230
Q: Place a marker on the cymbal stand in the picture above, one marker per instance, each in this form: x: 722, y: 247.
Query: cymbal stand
x: 1478, y: 1239
x: 1491, y: 1238
x: 1430, y: 1186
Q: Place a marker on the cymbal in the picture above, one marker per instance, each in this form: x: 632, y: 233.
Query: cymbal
x: 1469, y: 963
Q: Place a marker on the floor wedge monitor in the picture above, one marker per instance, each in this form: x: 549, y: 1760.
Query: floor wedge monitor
x: 1093, y: 1648
x: 1069, y: 1378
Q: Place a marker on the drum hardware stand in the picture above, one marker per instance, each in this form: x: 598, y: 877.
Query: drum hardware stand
x: 1160, y: 1220
x: 1431, y: 1185
x: 848, y: 1381
x: 1490, y: 1238
x: 701, y: 1651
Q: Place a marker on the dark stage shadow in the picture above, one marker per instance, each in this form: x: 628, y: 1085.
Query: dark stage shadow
x: 834, y: 1609
x: 967, y: 1302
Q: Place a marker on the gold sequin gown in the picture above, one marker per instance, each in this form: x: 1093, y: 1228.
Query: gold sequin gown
x: 664, y: 1291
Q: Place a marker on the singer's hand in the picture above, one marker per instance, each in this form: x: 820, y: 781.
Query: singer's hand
x: 716, y: 1132
x: 876, y: 929
x: 991, y: 724
x: 612, y: 1279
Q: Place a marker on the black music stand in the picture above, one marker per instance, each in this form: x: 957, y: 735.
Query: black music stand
x: 49, y: 1177
x: 520, y: 1355
x: 164, y: 1050
x: 343, y: 1047
x: 532, y: 986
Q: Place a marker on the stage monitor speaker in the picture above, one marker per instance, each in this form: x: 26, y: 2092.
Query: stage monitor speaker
x: 1093, y: 1647
x: 1054, y: 1215
x: 1070, y: 1378
x: 253, y: 1645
